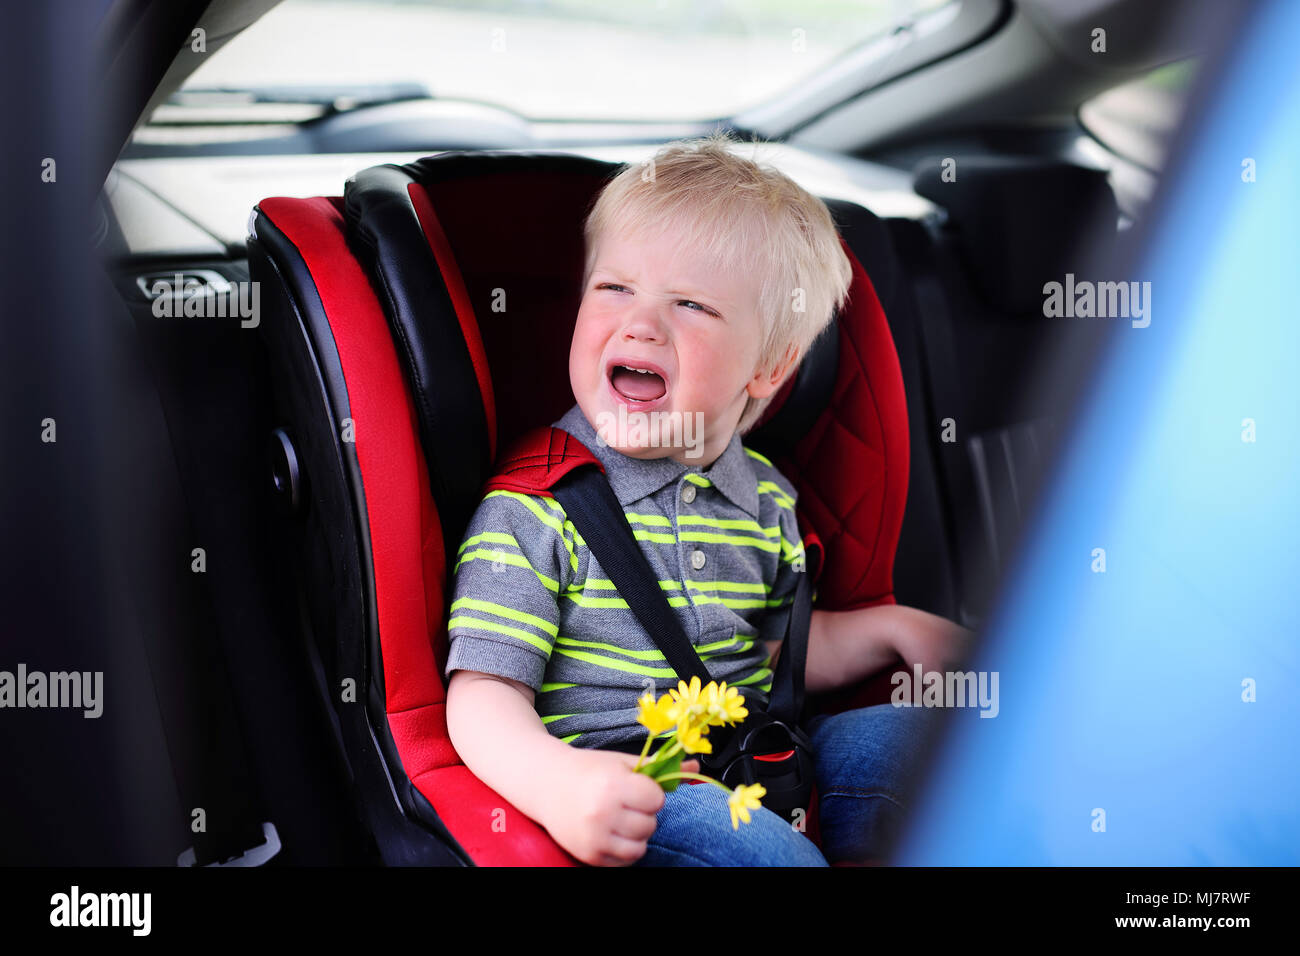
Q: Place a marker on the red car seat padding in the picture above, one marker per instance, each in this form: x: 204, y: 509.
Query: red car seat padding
x: 851, y: 466
x: 406, y: 545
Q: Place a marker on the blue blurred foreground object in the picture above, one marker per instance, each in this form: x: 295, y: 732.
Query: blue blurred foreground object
x: 1148, y: 639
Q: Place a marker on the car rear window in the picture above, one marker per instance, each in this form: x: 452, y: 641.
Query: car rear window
x: 551, y: 59
x: 1136, y: 119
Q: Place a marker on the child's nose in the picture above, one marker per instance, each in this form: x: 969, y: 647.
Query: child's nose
x: 644, y: 326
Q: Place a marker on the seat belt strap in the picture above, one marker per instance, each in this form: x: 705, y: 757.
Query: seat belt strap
x: 786, y: 702
x: 590, y: 504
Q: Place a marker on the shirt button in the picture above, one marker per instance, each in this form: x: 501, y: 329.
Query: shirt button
x: 688, y: 494
x: 697, y: 559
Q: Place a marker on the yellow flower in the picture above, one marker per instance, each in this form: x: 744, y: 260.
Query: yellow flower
x: 725, y: 705
x: 693, y: 739
x: 654, y: 715
x: 689, y: 707
x: 742, y: 800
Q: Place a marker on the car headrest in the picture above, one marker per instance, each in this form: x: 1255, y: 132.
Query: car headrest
x: 1019, y: 223
x: 802, y: 399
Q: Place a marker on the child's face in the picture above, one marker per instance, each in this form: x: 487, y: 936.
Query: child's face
x: 650, y: 306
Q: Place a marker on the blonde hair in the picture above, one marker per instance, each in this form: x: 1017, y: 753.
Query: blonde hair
x: 736, y: 213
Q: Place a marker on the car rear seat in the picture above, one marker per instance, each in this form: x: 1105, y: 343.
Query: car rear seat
x: 418, y: 327
x: 991, y: 361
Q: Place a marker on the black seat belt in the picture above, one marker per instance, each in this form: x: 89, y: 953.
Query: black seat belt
x: 590, y: 504
x: 786, y: 702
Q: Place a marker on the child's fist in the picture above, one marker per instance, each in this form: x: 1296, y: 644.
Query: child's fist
x: 604, y: 812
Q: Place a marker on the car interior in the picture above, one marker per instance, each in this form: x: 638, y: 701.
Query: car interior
x: 323, y: 457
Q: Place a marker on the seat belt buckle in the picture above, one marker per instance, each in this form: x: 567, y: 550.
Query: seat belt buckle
x: 253, y: 856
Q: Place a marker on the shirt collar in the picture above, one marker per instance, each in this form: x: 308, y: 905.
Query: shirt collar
x: 635, y: 478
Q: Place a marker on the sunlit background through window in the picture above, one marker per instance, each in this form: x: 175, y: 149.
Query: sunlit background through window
x: 550, y: 59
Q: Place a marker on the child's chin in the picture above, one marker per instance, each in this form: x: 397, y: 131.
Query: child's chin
x: 633, y: 449
x: 644, y: 452
x: 632, y: 430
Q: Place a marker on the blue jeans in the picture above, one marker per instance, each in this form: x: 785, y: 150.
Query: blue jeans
x: 865, y: 764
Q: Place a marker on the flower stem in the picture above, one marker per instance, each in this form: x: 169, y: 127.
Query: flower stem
x: 644, y: 750
x: 686, y: 775
x: 671, y: 749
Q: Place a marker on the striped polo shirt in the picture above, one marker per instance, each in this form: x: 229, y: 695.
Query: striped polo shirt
x: 531, y: 602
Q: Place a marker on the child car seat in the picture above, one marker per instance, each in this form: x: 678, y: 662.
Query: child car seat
x: 413, y: 329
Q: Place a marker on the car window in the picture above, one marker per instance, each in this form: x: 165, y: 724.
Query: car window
x: 1136, y: 119
x: 545, y: 59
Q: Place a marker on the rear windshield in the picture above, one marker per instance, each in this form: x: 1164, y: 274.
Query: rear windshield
x: 546, y: 59
x: 1137, y: 119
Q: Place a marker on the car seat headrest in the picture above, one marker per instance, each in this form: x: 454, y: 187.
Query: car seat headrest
x: 385, y: 231
x: 803, y: 397
x: 477, y: 260
x: 1019, y: 223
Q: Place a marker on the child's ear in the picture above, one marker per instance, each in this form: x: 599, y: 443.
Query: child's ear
x: 766, y: 381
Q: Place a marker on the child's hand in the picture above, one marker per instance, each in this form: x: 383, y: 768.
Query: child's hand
x: 603, y: 811
x: 934, y: 642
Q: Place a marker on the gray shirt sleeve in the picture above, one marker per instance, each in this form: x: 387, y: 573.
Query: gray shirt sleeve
x: 517, y: 557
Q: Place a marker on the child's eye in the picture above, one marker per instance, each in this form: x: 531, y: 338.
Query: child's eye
x: 689, y: 303
x: 703, y: 309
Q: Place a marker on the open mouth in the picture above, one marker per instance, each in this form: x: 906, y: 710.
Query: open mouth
x: 638, y: 383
